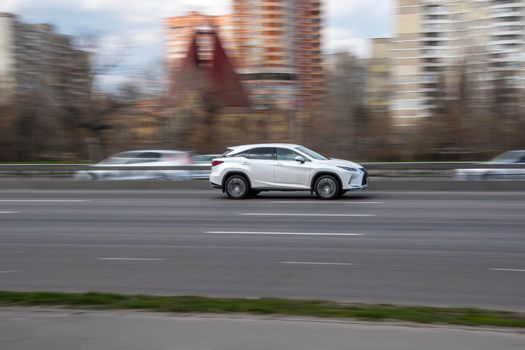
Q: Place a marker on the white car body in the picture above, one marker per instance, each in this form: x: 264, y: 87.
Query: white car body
x: 499, y: 173
x: 285, y: 173
x: 137, y: 159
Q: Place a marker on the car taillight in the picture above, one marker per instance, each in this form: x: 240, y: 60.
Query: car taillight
x: 216, y: 162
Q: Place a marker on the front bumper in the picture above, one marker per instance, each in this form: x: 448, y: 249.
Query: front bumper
x: 356, y: 180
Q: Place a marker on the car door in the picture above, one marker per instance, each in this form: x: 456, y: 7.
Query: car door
x: 144, y: 159
x: 291, y: 173
x: 260, y: 164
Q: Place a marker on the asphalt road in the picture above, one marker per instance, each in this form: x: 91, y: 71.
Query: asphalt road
x: 61, y: 330
x: 457, y: 249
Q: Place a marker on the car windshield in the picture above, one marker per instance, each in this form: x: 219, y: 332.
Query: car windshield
x: 310, y: 153
x: 509, y: 157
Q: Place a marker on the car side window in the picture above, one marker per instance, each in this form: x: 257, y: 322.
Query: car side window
x: 145, y: 157
x: 263, y: 153
x: 286, y: 154
x: 242, y: 154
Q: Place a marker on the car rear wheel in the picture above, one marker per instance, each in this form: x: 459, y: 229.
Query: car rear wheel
x: 327, y: 187
x: 237, y: 187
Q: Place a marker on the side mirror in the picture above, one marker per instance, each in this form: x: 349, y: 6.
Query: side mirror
x: 300, y: 159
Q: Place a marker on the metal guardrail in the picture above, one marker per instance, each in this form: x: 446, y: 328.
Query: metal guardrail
x: 438, y: 166
x: 69, y: 170
x: 82, y: 167
x: 409, y: 166
x: 431, y: 166
x: 386, y: 177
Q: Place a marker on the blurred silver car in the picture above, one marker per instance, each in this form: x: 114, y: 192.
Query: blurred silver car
x: 145, y: 158
x: 203, y: 161
x: 510, y: 157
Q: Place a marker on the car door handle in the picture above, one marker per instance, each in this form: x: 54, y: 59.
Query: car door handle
x: 245, y: 163
x: 279, y: 164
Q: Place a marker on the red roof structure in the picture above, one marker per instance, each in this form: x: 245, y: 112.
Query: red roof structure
x: 215, y: 74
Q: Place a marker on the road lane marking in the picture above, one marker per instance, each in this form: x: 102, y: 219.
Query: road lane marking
x: 283, y: 233
x: 324, y: 202
x: 509, y: 270
x: 43, y: 200
x: 316, y: 263
x: 8, y: 271
x: 132, y: 259
x: 306, y: 214
x: 9, y: 212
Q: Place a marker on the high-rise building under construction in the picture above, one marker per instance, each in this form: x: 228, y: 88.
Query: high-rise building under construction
x: 279, y: 46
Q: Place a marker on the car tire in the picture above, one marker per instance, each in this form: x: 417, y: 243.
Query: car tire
x: 327, y: 187
x: 237, y: 187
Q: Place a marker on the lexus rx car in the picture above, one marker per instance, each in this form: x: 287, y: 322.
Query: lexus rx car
x: 247, y: 170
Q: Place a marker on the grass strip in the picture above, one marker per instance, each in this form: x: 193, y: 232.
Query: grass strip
x: 267, y: 306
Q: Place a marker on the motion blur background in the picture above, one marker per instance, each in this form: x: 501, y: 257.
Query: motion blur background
x: 365, y: 80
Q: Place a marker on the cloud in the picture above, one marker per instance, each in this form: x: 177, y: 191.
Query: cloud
x: 342, y: 39
x: 348, y: 23
x: 366, y: 18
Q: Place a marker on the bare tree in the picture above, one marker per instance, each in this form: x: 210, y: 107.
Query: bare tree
x: 470, y: 123
x: 92, y: 116
x: 341, y: 123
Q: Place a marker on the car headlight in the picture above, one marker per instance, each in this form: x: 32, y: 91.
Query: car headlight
x: 348, y: 168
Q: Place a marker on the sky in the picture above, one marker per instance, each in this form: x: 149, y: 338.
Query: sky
x: 138, y: 23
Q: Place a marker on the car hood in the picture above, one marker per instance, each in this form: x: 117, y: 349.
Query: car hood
x: 342, y: 162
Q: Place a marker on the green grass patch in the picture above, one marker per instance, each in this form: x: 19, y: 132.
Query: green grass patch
x: 267, y: 306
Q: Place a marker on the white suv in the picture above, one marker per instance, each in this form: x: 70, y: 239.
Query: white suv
x: 250, y: 169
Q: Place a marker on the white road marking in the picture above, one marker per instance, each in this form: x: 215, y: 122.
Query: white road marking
x: 306, y: 214
x: 324, y: 202
x: 9, y: 212
x: 8, y: 271
x: 315, y: 263
x: 132, y: 259
x: 43, y: 200
x: 509, y: 270
x: 283, y: 233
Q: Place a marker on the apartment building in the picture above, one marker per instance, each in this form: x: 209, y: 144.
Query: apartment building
x: 378, y: 89
x: 34, y: 58
x: 438, y: 40
x: 279, y: 45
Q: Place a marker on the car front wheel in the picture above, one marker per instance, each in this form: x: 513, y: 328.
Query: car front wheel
x: 327, y: 187
x: 237, y: 187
